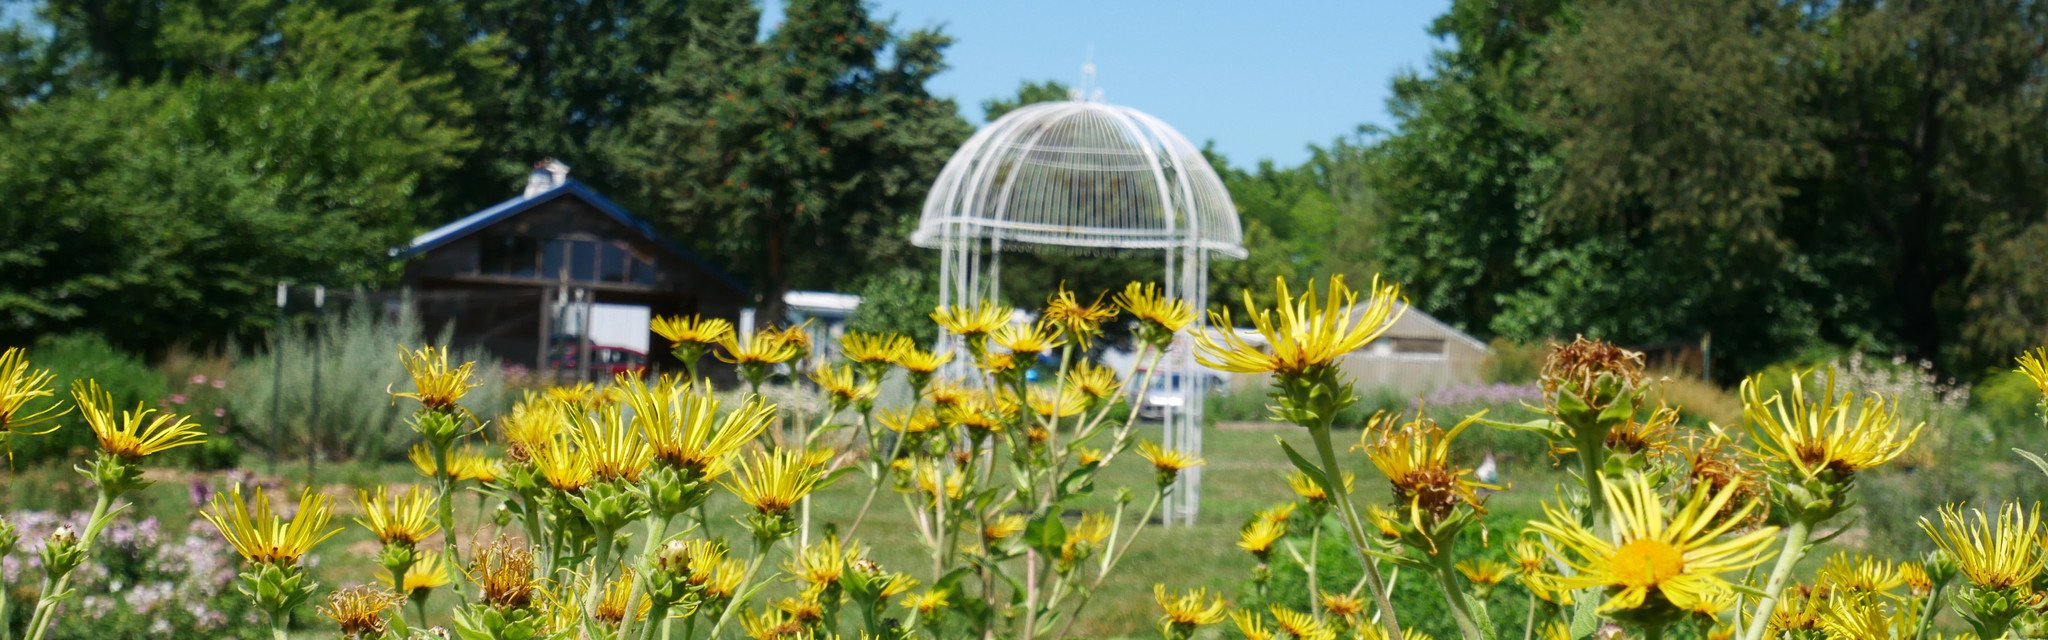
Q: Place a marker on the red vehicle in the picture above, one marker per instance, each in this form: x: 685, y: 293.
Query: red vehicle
x: 606, y: 363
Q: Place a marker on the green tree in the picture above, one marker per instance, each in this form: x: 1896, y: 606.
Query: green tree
x: 802, y: 154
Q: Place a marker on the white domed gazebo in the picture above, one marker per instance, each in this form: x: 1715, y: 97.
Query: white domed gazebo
x: 1089, y: 177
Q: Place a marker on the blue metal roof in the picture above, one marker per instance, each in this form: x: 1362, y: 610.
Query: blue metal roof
x: 498, y: 212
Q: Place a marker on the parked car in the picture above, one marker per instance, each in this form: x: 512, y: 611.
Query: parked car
x: 607, y: 362
x: 1168, y: 393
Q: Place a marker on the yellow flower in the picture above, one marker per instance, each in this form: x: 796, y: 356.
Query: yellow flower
x: 1188, y: 610
x: 428, y: 571
x: 1857, y: 618
x: 694, y: 330
x: 465, y: 463
x: 1087, y: 456
x: 1310, y: 490
x: 1002, y: 528
x: 616, y: 450
x: 2034, y: 365
x: 1992, y: 556
x: 843, y: 386
x: 696, y: 439
x: 435, y: 385
x: 1915, y: 577
x: 874, y: 349
x: 19, y: 386
x: 1859, y: 573
x: 773, y: 481
x: 1529, y: 556
x: 1070, y: 402
x: 1278, y: 513
x: 797, y: 336
x: 611, y: 605
x: 1077, y: 321
x: 1085, y: 535
x: 823, y: 563
x: 359, y: 610
x: 583, y: 396
x: 1416, y: 458
x: 772, y: 625
x: 763, y: 348
x: 1025, y: 342
x: 1299, y: 625
x: 405, y: 518
x: 1095, y: 381
x: 132, y: 434
x: 947, y: 393
x: 1343, y: 605
x: 1258, y: 537
x: 978, y: 412
x: 921, y: 362
x: 1145, y: 302
x: 1828, y: 433
x: 1251, y: 625
x: 1303, y: 336
x: 1169, y: 463
x: 1651, y: 553
x: 531, y: 423
x: 503, y: 573
x: 929, y: 602
x: 1483, y: 572
x: 971, y: 322
x: 261, y: 536
x: 908, y: 422
x: 563, y: 465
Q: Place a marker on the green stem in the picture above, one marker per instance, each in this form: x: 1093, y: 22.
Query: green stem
x: 761, y: 548
x: 446, y: 509
x: 1795, y: 547
x: 1333, y: 475
x: 1529, y: 622
x: 1928, y: 610
x: 6, y: 631
x: 1653, y: 632
x: 657, y: 528
x: 598, y: 571
x: 1109, y: 562
x: 46, y: 603
x: 1461, y: 605
x: 655, y: 614
x: 1315, y: 548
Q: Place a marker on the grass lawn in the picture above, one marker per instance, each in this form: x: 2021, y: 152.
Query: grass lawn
x: 1244, y: 474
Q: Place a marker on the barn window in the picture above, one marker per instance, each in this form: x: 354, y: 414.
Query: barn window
x: 1417, y: 346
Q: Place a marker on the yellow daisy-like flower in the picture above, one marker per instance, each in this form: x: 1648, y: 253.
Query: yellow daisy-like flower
x: 1278, y: 513
x: 1252, y: 626
x: 1095, y: 381
x: 763, y: 348
x: 1087, y: 456
x: 582, y: 396
x: 359, y: 610
x: 132, y: 434
x: 1416, y: 458
x: 1484, y: 572
x: 1167, y: 462
x: 823, y: 563
x: 1914, y: 576
x: 928, y: 603
x: 20, y: 385
x: 694, y: 330
x: 1026, y: 341
x: 1149, y: 305
x: 908, y: 422
x: 616, y: 450
x: 948, y: 393
x: 874, y: 349
x: 405, y: 518
x: 1305, y: 333
x: 1991, y: 555
x: 261, y: 536
x: 1827, y: 433
x: 1649, y: 553
x: 611, y: 605
x: 534, y: 420
x: 465, y: 463
x: 978, y: 412
x: 773, y: 481
x: 428, y: 571
x: 1859, y: 573
x: 1342, y: 605
x: 1258, y: 537
x: 1529, y: 556
x: 844, y: 387
x: 2034, y: 365
x: 436, y: 385
x: 1298, y: 624
x: 563, y: 465
x: 1308, y: 489
x: 1085, y: 536
x: 1190, y: 609
x: 1078, y: 322
x: 972, y: 322
x: 929, y: 476
x: 797, y: 336
x: 698, y: 440
x: 921, y: 362
x: 1002, y: 528
x: 1069, y: 401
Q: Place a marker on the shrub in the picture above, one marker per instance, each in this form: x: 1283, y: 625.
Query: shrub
x: 198, y: 388
x: 142, y: 582
x: 77, y: 357
x: 358, y: 370
x: 1245, y: 403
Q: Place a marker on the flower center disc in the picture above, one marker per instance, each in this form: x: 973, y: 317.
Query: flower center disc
x: 1647, y: 563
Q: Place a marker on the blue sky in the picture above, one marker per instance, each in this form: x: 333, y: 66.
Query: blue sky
x: 1260, y: 80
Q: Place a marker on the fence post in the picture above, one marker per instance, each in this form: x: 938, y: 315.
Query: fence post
x: 277, y: 380
x: 313, y: 412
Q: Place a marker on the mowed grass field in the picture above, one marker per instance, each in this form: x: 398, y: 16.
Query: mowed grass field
x: 1244, y: 473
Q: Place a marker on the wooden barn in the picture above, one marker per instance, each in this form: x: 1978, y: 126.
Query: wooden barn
x: 558, y: 272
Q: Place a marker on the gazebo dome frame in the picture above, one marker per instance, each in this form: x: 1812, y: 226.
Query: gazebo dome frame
x: 1089, y: 177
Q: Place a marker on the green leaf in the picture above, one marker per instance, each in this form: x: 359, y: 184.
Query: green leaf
x: 1046, y: 533
x: 2037, y: 460
x: 1310, y: 469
